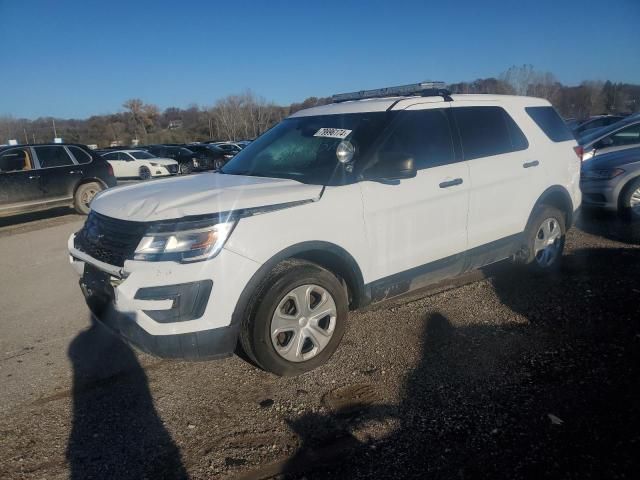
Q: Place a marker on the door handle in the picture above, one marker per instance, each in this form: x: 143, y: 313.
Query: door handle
x: 451, y: 183
x: 71, y: 172
x: 33, y: 177
x: 534, y: 163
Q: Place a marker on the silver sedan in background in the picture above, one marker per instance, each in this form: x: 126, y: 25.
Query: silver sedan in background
x: 612, y: 181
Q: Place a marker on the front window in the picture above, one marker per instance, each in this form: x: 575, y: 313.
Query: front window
x: 141, y: 155
x: 304, y: 148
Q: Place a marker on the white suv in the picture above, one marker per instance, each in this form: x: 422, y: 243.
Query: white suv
x: 338, y: 206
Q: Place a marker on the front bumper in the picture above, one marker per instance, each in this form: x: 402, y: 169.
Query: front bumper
x: 167, y: 309
x: 599, y: 194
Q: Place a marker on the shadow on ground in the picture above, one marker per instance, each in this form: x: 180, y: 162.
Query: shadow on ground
x: 555, y: 396
x: 116, y: 431
x: 614, y: 226
x: 33, y: 216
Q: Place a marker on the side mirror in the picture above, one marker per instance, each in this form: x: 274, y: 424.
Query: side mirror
x: 391, y: 166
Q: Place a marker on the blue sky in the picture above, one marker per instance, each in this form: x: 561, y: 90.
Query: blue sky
x: 79, y: 58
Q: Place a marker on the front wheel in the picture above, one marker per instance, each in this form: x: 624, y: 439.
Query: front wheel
x: 630, y: 199
x: 83, y: 196
x: 145, y: 173
x: 185, y: 168
x: 296, y: 320
x: 545, y: 237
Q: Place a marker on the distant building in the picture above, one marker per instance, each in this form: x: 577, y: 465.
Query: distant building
x: 116, y: 143
x: 173, y: 124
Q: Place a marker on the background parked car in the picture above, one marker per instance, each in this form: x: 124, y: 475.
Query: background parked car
x: 621, y: 135
x: 187, y: 161
x: 39, y: 177
x: 140, y: 164
x: 612, y: 181
x: 595, y: 122
x: 228, y: 147
x: 210, y: 155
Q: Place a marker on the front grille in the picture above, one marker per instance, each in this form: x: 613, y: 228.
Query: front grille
x: 108, y: 239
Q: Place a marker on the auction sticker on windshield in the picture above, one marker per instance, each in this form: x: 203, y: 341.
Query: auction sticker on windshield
x: 340, y: 133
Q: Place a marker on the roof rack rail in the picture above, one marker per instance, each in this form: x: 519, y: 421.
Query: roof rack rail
x: 423, y: 89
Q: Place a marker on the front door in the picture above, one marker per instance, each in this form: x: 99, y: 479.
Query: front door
x: 417, y: 227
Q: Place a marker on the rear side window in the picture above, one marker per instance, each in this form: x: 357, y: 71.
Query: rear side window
x: 53, y: 157
x: 424, y: 134
x: 550, y: 123
x: 80, y: 155
x: 487, y: 131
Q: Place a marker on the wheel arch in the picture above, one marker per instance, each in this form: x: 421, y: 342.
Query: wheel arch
x: 328, y: 255
x: 556, y: 196
x: 88, y: 180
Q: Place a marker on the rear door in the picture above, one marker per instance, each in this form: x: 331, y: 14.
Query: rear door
x: 416, y: 227
x: 19, y: 181
x: 505, y: 175
x: 59, y: 173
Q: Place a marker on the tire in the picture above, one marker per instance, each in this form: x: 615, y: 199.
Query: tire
x: 185, y: 168
x: 218, y: 164
x: 629, y: 202
x: 544, y: 239
x: 273, y: 335
x: 83, y: 196
x: 145, y: 173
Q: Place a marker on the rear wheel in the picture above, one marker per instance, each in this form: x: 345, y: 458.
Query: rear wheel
x: 218, y: 164
x: 83, y: 196
x: 545, y: 237
x: 296, y: 320
x: 145, y: 173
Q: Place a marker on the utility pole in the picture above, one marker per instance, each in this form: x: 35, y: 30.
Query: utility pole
x: 26, y: 137
x: 55, y: 133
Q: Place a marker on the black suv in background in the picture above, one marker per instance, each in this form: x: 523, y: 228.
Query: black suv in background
x: 209, y: 156
x: 38, y: 177
x: 187, y: 160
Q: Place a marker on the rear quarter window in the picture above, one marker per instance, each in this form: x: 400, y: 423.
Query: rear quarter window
x: 550, y: 123
x: 80, y: 155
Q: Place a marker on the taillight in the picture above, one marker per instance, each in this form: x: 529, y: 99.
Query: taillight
x: 110, y: 169
x: 579, y: 151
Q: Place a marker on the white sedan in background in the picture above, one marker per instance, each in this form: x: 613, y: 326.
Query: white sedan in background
x: 139, y: 164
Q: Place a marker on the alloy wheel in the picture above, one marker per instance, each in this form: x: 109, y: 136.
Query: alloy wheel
x: 634, y: 201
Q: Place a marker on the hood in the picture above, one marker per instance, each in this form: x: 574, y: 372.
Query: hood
x: 200, y: 194
x: 613, y: 159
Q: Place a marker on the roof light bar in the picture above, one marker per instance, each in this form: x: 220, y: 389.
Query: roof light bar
x: 422, y: 88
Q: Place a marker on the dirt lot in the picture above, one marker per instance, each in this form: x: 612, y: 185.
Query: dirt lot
x: 499, y: 375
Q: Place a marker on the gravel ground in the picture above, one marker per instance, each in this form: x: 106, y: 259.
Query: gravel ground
x: 497, y: 375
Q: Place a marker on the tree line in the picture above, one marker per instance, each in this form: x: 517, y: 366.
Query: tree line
x: 247, y: 115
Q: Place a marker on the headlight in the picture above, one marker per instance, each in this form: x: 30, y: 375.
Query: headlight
x: 184, y: 246
x: 605, y: 174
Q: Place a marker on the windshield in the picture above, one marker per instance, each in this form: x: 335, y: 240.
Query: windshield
x: 591, y: 136
x: 140, y: 155
x: 302, y: 148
